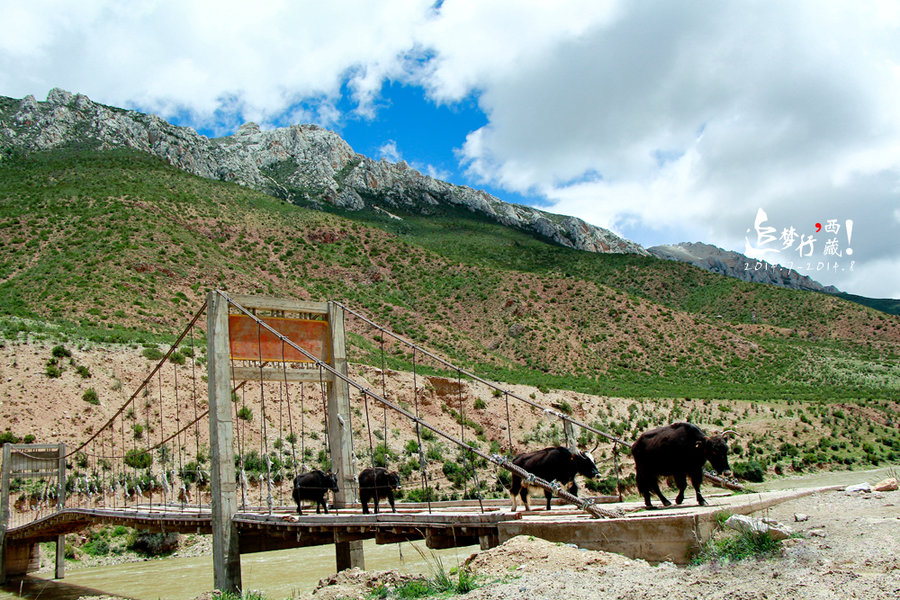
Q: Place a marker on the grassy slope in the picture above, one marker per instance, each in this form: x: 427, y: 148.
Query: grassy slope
x: 123, y: 247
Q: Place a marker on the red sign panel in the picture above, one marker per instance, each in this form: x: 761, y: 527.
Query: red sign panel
x: 251, y: 341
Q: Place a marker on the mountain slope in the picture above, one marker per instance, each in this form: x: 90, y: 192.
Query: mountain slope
x: 303, y: 164
x: 120, y: 246
x: 735, y: 264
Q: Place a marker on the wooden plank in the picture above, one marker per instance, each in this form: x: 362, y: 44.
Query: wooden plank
x: 226, y: 552
x: 339, y: 418
x: 4, y: 512
x: 282, y: 304
x: 279, y: 374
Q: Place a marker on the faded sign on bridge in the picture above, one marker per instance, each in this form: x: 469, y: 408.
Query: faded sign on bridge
x: 250, y: 341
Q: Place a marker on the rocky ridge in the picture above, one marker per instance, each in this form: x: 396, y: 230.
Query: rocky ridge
x: 735, y: 264
x: 300, y: 163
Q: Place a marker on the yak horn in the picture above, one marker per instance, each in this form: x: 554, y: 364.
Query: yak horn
x: 731, y: 431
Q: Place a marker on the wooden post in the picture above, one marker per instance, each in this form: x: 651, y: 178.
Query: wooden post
x: 4, y: 511
x: 226, y: 553
x: 61, y: 504
x: 348, y: 554
x: 570, y: 435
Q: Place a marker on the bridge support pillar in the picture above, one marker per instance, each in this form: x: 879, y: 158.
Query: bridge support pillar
x: 349, y: 554
x: 226, y: 552
x: 60, y: 571
x: 22, y: 558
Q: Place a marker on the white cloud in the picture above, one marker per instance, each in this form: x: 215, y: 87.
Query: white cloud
x: 675, y: 119
x: 688, y: 117
x: 390, y: 152
x: 207, y: 55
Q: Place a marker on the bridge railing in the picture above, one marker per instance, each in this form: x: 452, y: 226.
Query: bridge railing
x: 470, y: 450
x: 499, y: 425
x: 32, y: 484
x: 152, y: 454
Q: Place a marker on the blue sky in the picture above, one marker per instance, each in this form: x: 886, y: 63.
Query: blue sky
x: 664, y: 121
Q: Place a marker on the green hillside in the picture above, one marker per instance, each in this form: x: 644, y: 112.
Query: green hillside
x: 119, y: 246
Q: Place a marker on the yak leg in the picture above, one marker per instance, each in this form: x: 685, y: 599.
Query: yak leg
x: 548, y: 495
x: 696, y: 479
x: 659, y: 493
x: 650, y: 485
x: 523, y: 494
x: 391, y: 500
x: 681, y: 482
x: 364, y: 499
x: 514, y: 489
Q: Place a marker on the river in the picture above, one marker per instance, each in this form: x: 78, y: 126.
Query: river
x: 280, y: 574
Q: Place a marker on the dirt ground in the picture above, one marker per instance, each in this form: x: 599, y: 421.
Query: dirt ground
x: 849, y: 547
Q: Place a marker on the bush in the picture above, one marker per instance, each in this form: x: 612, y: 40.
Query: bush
x: 60, y: 352
x: 152, y: 353
x: 83, y: 371
x: 7, y: 437
x: 738, y: 547
x: 480, y: 404
x: 420, y: 495
x: 90, y: 396
x: 245, y: 414
x: 138, y: 458
x: 53, y: 370
x: 154, y: 544
x: 749, y: 471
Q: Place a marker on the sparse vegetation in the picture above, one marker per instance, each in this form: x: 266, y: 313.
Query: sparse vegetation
x: 556, y: 318
x: 90, y: 396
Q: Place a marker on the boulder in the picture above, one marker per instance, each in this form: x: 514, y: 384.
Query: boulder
x: 863, y: 487
x: 745, y: 524
x: 888, y: 485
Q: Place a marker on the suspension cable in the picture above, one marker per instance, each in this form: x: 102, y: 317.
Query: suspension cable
x: 145, y: 382
x: 474, y: 377
x: 556, y: 488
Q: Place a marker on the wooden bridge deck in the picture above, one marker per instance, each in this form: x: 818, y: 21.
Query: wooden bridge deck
x: 666, y: 534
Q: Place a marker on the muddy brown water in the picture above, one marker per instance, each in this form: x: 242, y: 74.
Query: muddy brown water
x: 278, y: 575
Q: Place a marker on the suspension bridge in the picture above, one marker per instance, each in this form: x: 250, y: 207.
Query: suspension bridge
x: 187, y: 452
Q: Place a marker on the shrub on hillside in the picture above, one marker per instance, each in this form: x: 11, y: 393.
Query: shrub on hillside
x: 748, y: 471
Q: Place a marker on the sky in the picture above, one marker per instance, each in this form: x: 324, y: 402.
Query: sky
x: 767, y: 127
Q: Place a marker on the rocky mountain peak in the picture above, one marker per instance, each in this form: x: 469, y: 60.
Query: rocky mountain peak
x: 300, y: 163
x: 735, y: 264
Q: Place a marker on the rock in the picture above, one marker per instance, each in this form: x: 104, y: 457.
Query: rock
x: 746, y: 524
x: 735, y: 264
x: 817, y: 533
x: 863, y: 487
x: 800, y: 518
x: 300, y: 163
x: 888, y: 485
